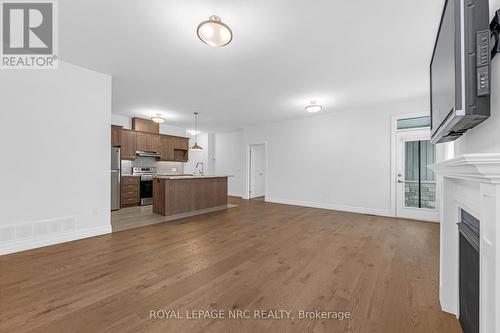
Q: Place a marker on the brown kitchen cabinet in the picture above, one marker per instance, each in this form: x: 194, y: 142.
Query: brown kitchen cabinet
x: 171, y: 148
x: 181, y: 143
x: 148, y: 142
x: 181, y: 149
x: 167, y: 148
x: 180, y: 155
x: 145, y: 125
x: 130, y: 191
x: 128, y: 144
x: 116, y: 135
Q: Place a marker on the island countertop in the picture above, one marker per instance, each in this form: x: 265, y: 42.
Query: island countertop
x: 178, y: 194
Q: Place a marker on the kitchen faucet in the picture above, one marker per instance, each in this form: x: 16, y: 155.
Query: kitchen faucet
x: 202, y: 167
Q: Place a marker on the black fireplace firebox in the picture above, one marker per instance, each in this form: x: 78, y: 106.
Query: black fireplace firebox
x: 469, y: 273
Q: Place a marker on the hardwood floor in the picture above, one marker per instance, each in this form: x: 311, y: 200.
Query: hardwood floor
x: 255, y: 256
x: 140, y: 216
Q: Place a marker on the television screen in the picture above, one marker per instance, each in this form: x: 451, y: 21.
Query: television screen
x: 460, y: 70
x: 443, y: 68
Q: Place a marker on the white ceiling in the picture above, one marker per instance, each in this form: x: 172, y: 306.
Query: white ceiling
x: 342, y: 53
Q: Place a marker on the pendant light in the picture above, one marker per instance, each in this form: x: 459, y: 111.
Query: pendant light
x: 214, y: 33
x: 196, y: 146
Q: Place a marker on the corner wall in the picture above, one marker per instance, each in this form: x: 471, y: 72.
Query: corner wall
x: 55, y: 156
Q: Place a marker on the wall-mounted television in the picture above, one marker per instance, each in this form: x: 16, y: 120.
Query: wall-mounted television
x: 460, y: 70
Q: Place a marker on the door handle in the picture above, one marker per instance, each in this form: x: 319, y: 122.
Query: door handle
x: 401, y: 181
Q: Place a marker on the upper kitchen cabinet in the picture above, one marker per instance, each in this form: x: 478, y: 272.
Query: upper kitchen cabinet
x: 148, y: 142
x: 145, y: 125
x: 181, y: 143
x: 128, y: 144
x: 181, y: 149
x: 116, y: 135
x: 167, y: 148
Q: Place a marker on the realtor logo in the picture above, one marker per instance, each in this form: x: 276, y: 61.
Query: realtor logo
x: 29, y: 34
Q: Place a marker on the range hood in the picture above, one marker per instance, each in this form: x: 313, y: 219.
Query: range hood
x: 147, y: 153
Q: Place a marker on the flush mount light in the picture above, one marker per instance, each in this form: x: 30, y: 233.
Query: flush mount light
x: 196, y: 146
x: 314, y: 107
x: 158, y: 119
x: 214, y: 33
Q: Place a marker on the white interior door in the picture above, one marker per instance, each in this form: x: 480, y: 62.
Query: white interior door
x: 415, y: 182
x: 257, y: 171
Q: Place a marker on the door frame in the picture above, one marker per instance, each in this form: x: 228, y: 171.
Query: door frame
x: 394, y: 146
x: 248, y: 167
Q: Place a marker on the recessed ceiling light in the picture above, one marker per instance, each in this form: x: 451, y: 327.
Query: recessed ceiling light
x: 314, y: 107
x: 214, y: 33
x: 158, y: 119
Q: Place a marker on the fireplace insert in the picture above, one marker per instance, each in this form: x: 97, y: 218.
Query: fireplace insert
x: 469, y: 273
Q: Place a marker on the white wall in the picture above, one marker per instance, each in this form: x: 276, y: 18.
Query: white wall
x: 485, y: 138
x: 55, y: 139
x: 228, y: 155
x: 338, y: 160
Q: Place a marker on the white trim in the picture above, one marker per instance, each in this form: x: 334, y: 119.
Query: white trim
x: 484, y: 168
x: 235, y: 194
x: 46, y: 240
x: 246, y: 194
x: 351, y: 209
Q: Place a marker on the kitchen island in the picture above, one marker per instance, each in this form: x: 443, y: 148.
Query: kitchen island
x: 173, y: 195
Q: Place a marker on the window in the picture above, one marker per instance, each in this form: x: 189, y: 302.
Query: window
x: 416, y: 122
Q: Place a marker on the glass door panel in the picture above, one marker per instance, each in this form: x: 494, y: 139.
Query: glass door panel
x: 419, y: 181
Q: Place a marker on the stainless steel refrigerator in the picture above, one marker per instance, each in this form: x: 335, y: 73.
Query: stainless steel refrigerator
x: 115, y: 178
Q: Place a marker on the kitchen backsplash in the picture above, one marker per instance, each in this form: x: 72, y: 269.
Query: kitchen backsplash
x: 164, y: 168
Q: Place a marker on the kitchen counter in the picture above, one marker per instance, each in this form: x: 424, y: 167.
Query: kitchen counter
x: 189, y: 176
x: 180, y: 194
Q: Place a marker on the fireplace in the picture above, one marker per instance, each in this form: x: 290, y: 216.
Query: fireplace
x: 470, y: 183
x: 469, y: 272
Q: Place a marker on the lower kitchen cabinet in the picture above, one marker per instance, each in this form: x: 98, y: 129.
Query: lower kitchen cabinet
x: 130, y: 191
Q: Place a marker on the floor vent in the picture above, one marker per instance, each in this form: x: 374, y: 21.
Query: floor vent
x: 24, y: 230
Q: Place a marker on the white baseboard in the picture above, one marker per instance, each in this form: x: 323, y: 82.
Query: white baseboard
x: 30, y: 243
x: 234, y: 194
x: 351, y: 209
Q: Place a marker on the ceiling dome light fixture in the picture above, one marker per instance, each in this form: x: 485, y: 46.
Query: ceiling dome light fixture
x: 196, y: 146
x: 214, y: 33
x: 158, y: 118
x: 314, y: 107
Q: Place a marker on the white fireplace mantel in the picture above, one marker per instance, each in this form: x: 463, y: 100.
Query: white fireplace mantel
x: 471, y: 182
x: 483, y: 168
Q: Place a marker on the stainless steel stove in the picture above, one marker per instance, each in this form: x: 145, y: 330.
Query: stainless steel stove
x: 146, y: 188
